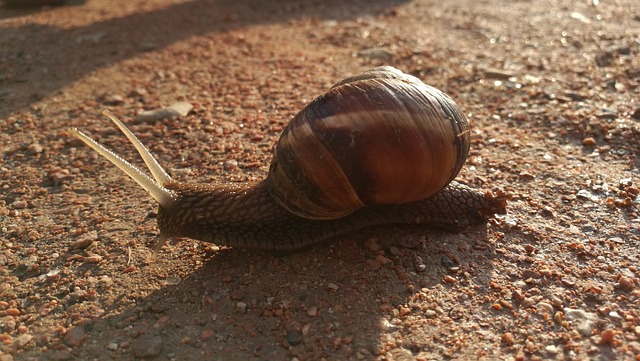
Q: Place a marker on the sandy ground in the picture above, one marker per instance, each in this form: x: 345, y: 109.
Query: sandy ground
x: 552, y: 92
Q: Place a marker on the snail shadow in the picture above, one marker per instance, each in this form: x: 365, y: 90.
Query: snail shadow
x: 38, y: 60
x: 338, y: 300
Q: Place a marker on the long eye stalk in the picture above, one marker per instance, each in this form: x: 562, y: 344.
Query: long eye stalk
x: 154, y: 187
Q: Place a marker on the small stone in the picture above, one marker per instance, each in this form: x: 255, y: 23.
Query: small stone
x: 75, y: 336
x: 84, y: 241
x: 112, y: 346
x: 242, y: 307
x: 231, y: 164
x: 604, y: 59
x: 526, y: 176
x: 61, y: 355
x: 580, y: 17
x: 372, y: 244
x: 12, y: 312
x: 293, y: 338
x: 179, y: 109
x: 551, y: 349
x: 93, y: 259
x: 333, y: 286
x: 588, y: 141
x: 430, y: 313
x: 395, y: 251
x: 148, y: 46
x: 498, y: 74
x: 544, y: 307
x: 410, y: 241
x: 35, y: 148
x: 584, y: 322
x: 312, y: 311
x: 147, y: 347
x: 387, y: 326
x: 607, y: 336
x: 376, y: 53
x: 508, y: 338
x: 449, y: 279
x: 22, y: 340
x: 207, y: 334
x: 626, y: 283
x: 112, y: 99
x: 447, y: 262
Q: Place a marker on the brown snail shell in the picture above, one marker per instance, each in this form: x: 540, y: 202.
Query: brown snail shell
x: 380, y: 137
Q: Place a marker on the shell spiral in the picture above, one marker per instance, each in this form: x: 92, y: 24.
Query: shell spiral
x: 380, y: 137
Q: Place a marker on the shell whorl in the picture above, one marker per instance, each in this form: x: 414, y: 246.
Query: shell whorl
x: 380, y: 137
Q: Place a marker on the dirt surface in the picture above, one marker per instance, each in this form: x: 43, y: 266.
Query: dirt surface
x: 552, y: 92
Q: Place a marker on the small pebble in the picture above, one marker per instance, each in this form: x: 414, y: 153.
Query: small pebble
x: 607, y: 336
x: 293, y: 338
x: 75, y: 336
x: 242, y: 307
x: 231, y: 164
x: 372, y: 244
x: 584, y: 322
x: 544, y: 307
x: 112, y: 99
x: 179, y: 109
x: 588, y: 141
x: 508, y: 338
x: 312, y: 311
x: 147, y: 347
x: 84, y: 241
x: 411, y: 241
x: 93, y: 259
x: 207, y: 334
x: 498, y: 74
x: 627, y: 284
x: 22, y: 340
x: 447, y: 262
x: 376, y: 53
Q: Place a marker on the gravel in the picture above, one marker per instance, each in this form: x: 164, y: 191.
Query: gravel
x: 551, y: 91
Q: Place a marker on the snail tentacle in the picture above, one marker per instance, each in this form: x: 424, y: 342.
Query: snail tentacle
x: 155, y: 187
x: 159, y: 174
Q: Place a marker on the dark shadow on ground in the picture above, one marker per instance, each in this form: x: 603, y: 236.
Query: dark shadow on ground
x: 43, y: 59
x: 336, y: 299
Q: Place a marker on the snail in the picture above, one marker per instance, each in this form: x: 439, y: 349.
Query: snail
x: 378, y: 148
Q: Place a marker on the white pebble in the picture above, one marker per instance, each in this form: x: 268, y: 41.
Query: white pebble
x: 551, y: 349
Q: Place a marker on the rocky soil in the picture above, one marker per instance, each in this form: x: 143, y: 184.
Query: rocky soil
x: 552, y: 92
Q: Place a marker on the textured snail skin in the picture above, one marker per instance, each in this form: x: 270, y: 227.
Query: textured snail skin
x: 247, y: 216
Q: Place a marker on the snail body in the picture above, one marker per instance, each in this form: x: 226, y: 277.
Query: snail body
x: 380, y: 147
